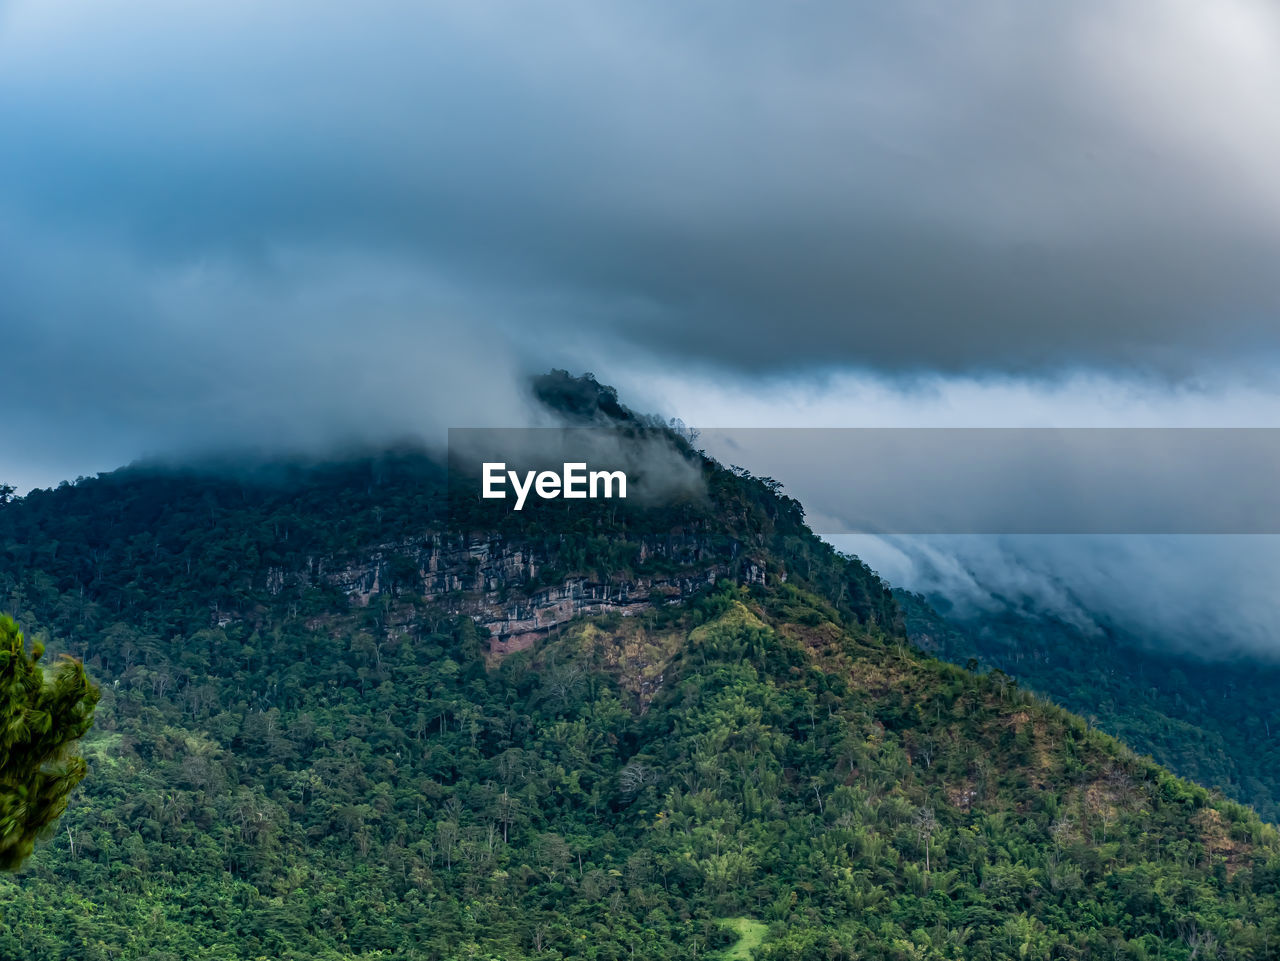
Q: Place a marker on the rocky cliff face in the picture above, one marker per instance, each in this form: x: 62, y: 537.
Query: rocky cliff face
x: 498, y: 582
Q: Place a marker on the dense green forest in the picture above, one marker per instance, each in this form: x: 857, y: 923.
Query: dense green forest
x: 858, y: 799
x: 1210, y: 721
x: 283, y: 768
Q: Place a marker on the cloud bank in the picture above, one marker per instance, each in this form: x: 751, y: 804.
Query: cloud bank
x: 998, y: 188
x: 1209, y: 597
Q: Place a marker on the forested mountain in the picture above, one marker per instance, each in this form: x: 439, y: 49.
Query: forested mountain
x: 1210, y: 721
x: 338, y: 721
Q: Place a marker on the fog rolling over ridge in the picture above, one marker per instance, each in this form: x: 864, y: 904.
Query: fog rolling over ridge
x: 1205, y: 596
x: 1164, y: 538
x: 335, y: 224
x: 233, y: 226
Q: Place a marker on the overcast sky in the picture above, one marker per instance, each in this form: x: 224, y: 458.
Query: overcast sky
x: 290, y: 223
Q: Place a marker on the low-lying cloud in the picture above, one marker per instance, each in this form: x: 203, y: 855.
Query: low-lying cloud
x: 1207, y: 596
x: 912, y: 188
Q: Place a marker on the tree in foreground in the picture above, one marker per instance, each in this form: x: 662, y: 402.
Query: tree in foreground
x: 40, y: 720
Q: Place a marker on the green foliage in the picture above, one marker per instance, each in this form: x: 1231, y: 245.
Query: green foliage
x: 751, y: 935
x: 441, y: 808
x: 1208, y: 721
x: 282, y: 770
x: 160, y: 548
x: 39, y: 721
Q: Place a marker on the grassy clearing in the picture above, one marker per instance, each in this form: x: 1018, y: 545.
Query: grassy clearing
x: 102, y: 747
x: 751, y: 934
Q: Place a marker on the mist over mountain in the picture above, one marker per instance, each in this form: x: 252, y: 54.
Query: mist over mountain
x: 1206, y: 596
x: 335, y: 226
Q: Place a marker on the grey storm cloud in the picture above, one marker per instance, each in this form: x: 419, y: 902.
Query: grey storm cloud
x: 291, y: 221
x: 905, y: 187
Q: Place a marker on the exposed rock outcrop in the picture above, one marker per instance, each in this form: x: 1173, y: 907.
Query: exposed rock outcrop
x: 501, y: 584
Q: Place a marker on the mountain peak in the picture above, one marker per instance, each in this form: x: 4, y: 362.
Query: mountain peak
x: 581, y: 399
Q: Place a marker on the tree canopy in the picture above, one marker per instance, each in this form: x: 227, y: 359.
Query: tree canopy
x: 40, y: 719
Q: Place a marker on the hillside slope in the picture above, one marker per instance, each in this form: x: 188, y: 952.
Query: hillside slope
x: 332, y: 728
x: 1209, y: 721
x: 861, y: 800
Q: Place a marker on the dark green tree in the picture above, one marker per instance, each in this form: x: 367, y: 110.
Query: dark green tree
x: 40, y: 719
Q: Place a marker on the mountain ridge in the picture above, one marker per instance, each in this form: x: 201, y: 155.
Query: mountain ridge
x: 308, y: 767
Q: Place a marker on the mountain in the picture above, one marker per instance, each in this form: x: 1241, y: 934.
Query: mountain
x: 339, y: 720
x: 1210, y: 721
